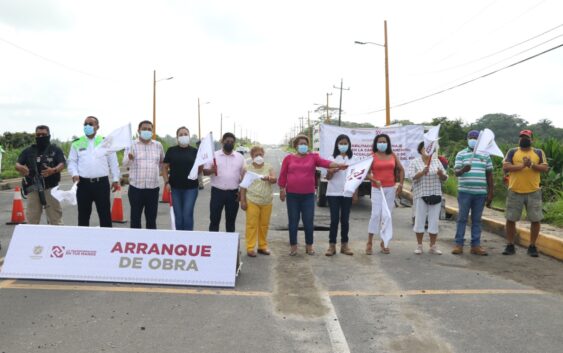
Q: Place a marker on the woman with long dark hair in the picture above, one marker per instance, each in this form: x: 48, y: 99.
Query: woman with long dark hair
x: 386, y: 168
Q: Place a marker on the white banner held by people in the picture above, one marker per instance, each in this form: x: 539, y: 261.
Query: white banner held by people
x: 486, y: 144
x: 205, y: 155
x: 355, y: 175
x: 117, y: 140
x: 249, y: 178
x: 386, y: 226
x: 65, y: 197
x: 122, y: 255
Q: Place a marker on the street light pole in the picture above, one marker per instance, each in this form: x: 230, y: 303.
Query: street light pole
x: 340, y: 105
x: 221, y: 130
x: 154, y: 81
x: 327, y: 117
x: 198, y: 119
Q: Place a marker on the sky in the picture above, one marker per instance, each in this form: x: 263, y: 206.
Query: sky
x: 265, y: 64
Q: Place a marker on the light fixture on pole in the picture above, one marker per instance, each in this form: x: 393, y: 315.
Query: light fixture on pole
x: 154, y: 81
x: 387, y: 105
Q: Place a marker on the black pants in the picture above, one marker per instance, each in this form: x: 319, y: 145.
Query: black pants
x: 146, y: 199
x: 339, y: 212
x: 97, y: 191
x: 219, y: 199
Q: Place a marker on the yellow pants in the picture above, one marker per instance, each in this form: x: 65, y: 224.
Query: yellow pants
x: 257, y: 223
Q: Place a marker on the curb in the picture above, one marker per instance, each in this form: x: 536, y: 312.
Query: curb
x: 546, y: 244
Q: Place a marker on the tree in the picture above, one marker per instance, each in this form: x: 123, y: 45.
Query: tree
x: 506, y: 127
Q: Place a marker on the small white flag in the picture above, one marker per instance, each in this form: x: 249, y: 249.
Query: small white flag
x: 249, y: 178
x: 431, y: 140
x: 205, y: 155
x: 117, y: 140
x: 386, y: 226
x: 355, y: 175
x: 486, y: 144
x: 68, y: 197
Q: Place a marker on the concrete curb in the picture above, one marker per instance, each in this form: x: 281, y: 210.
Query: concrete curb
x: 546, y: 244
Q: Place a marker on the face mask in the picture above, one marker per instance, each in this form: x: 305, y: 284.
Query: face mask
x: 302, y: 149
x: 183, y: 140
x: 228, y: 147
x: 146, y: 135
x: 42, y: 141
x: 258, y: 160
x: 472, y: 143
x: 88, y: 130
x: 525, y: 143
x: 343, y: 148
x: 382, y: 147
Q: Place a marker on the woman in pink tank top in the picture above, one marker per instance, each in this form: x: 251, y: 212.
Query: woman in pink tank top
x: 385, y: 167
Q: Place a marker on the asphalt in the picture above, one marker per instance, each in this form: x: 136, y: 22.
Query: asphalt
x: 400, y: 302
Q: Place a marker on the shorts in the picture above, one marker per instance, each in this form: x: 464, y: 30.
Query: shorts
x: 515, y: 202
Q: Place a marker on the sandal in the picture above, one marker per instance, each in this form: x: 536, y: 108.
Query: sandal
x: 369, y: 248
x: 309, y: 250
x: 293, y: 250
x: 384, y: 250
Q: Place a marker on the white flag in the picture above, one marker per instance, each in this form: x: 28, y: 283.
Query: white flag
x: 117, y: 140
x: 249, y: 178
x: 355, y: 175
x: 486, y: 144
x: 386, y: 226
x: 63, y: 197
x: 431, y: 140
x: 205, y: 155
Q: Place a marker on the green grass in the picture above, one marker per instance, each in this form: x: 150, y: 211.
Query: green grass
x: 554, y: 213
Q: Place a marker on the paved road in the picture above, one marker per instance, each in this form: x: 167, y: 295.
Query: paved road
x: 381, y: 303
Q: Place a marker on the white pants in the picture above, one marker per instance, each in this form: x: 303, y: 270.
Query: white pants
x: 424, y: 210
x: 375, y: 220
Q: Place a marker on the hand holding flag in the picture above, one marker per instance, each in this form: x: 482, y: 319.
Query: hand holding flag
x: 205, y: 155
x: 486, y: 144
x: 431, y: 141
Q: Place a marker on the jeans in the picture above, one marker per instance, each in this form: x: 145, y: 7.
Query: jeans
x: 475, y: 204
x: 300, y: 206
x: 219, y: 199
x: 183, y: 201
x: 339, y: 212
x: 140, y: 199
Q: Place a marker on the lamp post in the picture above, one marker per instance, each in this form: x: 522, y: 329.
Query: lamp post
x: 199, y: 118
x: 387, y: 105
x: 154, y: 81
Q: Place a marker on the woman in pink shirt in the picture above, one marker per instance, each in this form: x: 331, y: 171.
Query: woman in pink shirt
x: 297, y: 184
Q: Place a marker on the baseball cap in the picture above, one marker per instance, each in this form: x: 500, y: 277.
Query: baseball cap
x: 526, y: 133
x: 473, y: 134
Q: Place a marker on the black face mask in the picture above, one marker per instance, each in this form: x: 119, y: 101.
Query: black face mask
x: 228, y: 147
x: 42, y: 141
x: 525, y: 143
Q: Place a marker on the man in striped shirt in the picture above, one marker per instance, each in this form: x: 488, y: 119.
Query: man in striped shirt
x: 475, y: 189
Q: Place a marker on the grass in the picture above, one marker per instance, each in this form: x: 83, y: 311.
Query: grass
x: 554, y: 213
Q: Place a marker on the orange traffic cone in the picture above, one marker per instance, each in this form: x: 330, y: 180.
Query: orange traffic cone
x: 117, y: 208
x: 18, y: 215
x: 166, y: 195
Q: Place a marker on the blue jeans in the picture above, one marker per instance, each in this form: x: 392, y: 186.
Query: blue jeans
x: 339, y: 213
x: 475, y: 204
x: 183, y: 201
x: 300, y: 206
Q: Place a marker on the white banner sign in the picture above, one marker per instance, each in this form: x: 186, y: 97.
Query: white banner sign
x: 122, y: 255
x: 404, y: 140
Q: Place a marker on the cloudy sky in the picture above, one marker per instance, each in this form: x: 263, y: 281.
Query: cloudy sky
x: 263, y: 64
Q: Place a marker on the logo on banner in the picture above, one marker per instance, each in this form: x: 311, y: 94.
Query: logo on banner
x: 37, y: 251
x: 57, y: 251
x: 356, y: 174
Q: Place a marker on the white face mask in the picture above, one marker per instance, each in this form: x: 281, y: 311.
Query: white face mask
x: 258, y: 160
x: 184, y: 140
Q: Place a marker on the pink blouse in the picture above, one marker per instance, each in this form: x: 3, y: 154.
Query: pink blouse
x: 297, y: 174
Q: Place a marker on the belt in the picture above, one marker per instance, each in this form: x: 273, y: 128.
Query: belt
x: 94, y: 180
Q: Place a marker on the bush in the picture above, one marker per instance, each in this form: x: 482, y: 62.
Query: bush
x: 554, y: 212
x: 9, y: 164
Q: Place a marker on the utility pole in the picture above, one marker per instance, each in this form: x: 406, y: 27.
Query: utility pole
x: 301, y: 123
x: 327, y: 116
x: 221, y: 130
x: 198, y: 120
x: 340, y: 105
x: 310, y: 128
x: 387, y: 105
x: 154, y: 105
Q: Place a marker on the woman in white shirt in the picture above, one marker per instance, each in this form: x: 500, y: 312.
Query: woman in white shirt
x: 339, y: 201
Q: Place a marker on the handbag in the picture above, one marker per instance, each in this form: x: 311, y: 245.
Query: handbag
x: 432, y: 199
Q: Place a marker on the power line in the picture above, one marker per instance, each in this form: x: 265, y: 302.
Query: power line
x: 469, y: 81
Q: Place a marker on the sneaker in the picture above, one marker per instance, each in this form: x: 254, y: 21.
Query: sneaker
x: 509, y: 250
x: 457, y: 250
x: 434, y: 250
x: 533, y: 251
x: 418, y: 250
x: 477, y: 250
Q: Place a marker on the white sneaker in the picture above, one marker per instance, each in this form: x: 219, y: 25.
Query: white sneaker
x: 434, y: 250
x: 418, y: 250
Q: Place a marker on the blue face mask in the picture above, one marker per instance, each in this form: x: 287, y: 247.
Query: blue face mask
x: 472, y: 143
x: 146, y: 135
x: 302, y: 149
x: 88, y: 130
x: 343, y: 148
x: 382, y: 147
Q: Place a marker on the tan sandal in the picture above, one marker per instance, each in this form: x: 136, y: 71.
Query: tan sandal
x: 369, y: 248
x: 309, y: 250
x: 384, y: 250
x: 293, y: 250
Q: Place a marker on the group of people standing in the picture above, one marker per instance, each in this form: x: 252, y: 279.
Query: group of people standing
x: 96, y: 175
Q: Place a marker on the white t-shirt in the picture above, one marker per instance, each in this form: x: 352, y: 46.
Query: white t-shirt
x: 335, y: 185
